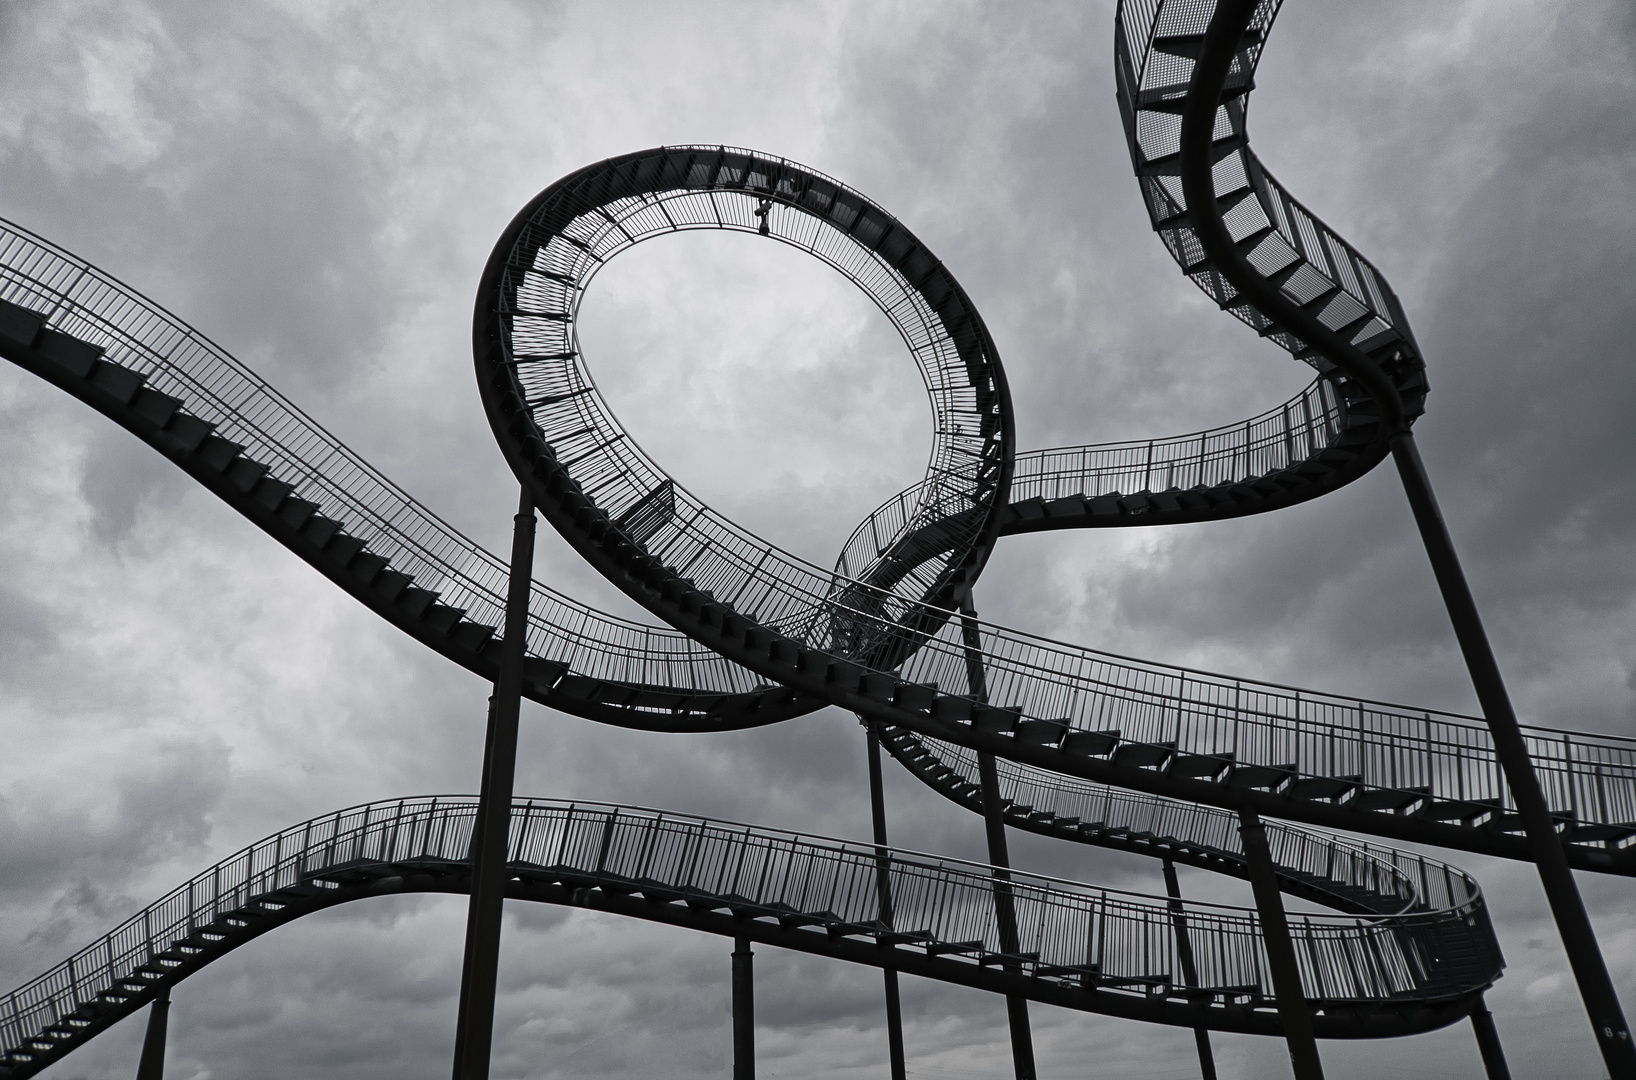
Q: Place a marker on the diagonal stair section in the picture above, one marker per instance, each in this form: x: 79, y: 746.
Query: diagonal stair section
x: 1346, y: 875
x: 172, y: 389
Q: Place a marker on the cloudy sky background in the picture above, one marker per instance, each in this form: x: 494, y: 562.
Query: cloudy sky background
x: 315, y: 186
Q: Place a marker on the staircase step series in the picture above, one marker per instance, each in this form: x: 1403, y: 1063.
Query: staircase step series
x: 196, y: 437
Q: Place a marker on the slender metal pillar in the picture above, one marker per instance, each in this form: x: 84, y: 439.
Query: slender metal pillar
x: 151, y: 1066
x: 1281, y: 962
x: 1005, y: 913
x: 1561, y: 891
x: 1190, y: 970
x: 883, y: 885
x: 474, y: 1031
x: 744, y: 1011
x: 1488, y: 1043
x: 1016, y: 1008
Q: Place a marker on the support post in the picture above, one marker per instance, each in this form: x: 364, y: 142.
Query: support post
x: 1281, y: 963
x: 151, y: 1066
x: 1561, y: 891
x: 744, y: 1011
x: 1005, y: 914
x: 1016, y: 1008
x: 1190, y: 970
x: 883, y: 885
x: 1488, y: 1042
x: 474, y: 1030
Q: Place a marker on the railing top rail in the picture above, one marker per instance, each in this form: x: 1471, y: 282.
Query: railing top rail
x: 1188, y: 436
x: 817, y: 841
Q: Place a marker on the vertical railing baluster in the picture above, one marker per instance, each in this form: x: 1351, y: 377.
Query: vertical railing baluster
x: 607, y: 838
x: 1431, y: 772
x: 567, y: 828
x: 1568, y: 769
x: 1601, y: 795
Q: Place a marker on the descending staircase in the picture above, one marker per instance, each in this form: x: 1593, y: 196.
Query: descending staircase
x: 1156, y: 46
x: 128, y: 359
x: 1343, y: 874
x: 1081, y: 947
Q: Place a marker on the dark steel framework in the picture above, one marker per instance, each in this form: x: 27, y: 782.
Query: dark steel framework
x: 1040, y: 735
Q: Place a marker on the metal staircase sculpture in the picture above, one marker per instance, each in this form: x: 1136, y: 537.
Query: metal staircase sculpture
x: 1097, y: 748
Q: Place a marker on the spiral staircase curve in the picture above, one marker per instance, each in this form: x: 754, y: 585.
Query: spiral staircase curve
x: 790, y: 638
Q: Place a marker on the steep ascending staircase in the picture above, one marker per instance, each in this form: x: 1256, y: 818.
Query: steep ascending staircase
x: 1080, y: 947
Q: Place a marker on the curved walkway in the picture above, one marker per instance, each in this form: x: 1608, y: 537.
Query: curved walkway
x: 1080, y: 947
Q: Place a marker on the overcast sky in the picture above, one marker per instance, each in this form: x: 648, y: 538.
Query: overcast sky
x: 316, y: 186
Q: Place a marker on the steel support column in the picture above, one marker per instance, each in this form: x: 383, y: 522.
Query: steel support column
x: 1281, y: 963
x: 744, y: 1011
x: 1190, y: 970
x: 1016, y: 1008
x: 1561, y: 891
x: 474, y: 1032
x: 1005, y: 915
x: 883, y: 885
x: 1488, y: 1043
x: 151, y: 1065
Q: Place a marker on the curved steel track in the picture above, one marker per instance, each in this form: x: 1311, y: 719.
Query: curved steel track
x: 1095, y: 747
x: 1081, y: 947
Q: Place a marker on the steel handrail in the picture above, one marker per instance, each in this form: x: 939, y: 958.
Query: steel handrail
x: 1211, y: 457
